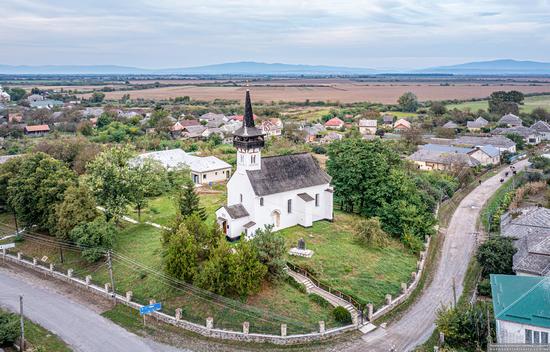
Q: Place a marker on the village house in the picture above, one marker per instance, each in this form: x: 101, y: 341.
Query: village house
x: 95, y: 112
x: 203, y: 170
x: 367, y: 126
x: 543, y: 128
x: 282, y: 191
x: 272, y: 127
x: 521, y: 306
x: 193, y: 132
x: 477, y: 124
x: 510, y: 120
x: 529, y: 135
x: 402, y: 125
x: 4, y: 97
x: 34, y: 97
x: 530, y: 229
x: 330, y: 137
x: 36, y: 130
x: 387, y: 120
x: 179, y: 126
x: 432, y: 157
x: 450, y: 125
x: 502, y: 143
x: 334, y: 123
x: 313, y: 132
x: 210, y: 116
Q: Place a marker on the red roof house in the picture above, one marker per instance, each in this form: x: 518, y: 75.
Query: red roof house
x: 334, y: 123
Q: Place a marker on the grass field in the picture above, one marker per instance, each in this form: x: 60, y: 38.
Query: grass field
x: 529, y: 105
x: 40, y: 339
x: 366, y: 273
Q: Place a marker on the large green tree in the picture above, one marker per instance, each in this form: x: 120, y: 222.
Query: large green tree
x: 408, y: 102
x: 37, y: 188
x: 501, y: 102
x: 496, y: 256
x: 215, y: 275
x: 94, y: 238
x: 271, y: 251
x: 188, y: 201
x: 246, y: 271
x: 146, y: 180
x: 110, y: 180
x: 181, y: 257
x: 78, y: 207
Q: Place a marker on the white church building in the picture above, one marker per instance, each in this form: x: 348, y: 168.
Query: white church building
x: 282, y: 191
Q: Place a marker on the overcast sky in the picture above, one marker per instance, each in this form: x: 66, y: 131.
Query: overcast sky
x: 181, y: 33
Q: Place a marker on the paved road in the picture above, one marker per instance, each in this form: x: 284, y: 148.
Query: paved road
x: 417, y: 324
x: 78, y: 325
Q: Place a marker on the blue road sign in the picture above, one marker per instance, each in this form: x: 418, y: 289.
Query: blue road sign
x: 150, y: 308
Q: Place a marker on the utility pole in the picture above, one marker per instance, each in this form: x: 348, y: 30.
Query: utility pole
x: 61, y: 253
x: 110, y: 265
x: 489, y: 339
x: 454, y: 291
x: 22, y: 342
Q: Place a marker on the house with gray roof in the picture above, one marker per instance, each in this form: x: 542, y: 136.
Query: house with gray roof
x: 543, y: 128
x: 442, y: 157
x: 281, y: 191
x: 510, y: 120
x: 529, y: 135
x: 502, y: 143
x: 530, y: 229
x: 203, y: 170
x: 477, y: 124
x: 450, y: 125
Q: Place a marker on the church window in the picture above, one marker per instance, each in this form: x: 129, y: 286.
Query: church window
x: 253, y: 159
x: 204, y: 176
x: 241, y: 196
x: 317, y: 199
x: 289, y: 206
x: 261, y: 201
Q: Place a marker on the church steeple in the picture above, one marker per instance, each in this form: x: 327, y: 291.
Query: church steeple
x: 248, y: 140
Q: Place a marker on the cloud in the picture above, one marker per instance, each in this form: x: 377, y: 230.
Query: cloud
x: 170, y: 33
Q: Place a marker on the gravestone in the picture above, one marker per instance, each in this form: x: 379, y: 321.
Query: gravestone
x: 301, y: 244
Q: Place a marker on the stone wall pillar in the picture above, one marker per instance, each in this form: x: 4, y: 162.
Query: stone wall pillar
x: 34, y: 261
x: 152, y: 301
x: 403, y: 287
x: 283, y: 329
x: 209, y: 323
x: 19, y: 255
x: 418, y: 265
x: 370, y: 311
x: 388, y: 299
x: 51, y: 267
x: 129, y: 295
x: 4, y: 251
x: 413, y: 275
x: 70, y: 273
x: 246, y: 327
x: 178, y: 313
x: 322, y: 327
x: 88, y: 279
x: 107, y: 287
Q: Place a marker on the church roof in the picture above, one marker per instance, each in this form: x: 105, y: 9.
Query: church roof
x: 236, y: 211
x: 286, y: 173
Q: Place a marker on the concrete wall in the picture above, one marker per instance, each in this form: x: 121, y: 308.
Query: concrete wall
x: 212, y: 176
x: 510, y: 332
x: 169, y: 319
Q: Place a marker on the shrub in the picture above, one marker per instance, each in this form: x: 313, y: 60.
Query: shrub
x: 368, y: 232
x: 412, y: 242
x: 319, y: 300
x: 341, y: 315
x: 9, y: 328
x: 484, y: 288
x: 290, y: 280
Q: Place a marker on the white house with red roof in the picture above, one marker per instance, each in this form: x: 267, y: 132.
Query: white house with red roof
x: 334, y: 123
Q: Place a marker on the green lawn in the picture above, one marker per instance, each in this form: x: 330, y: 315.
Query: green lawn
x: 400, y: 114
x: 37, y: 337
x: 529, y: 105
x: 365, y: 273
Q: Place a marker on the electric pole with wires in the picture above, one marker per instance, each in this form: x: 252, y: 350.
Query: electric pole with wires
x: 110, y: 265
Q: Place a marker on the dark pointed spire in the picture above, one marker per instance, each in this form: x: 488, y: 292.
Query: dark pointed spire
x: 248, y: 118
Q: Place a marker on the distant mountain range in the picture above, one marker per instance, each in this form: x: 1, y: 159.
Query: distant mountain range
x: 495, y: 67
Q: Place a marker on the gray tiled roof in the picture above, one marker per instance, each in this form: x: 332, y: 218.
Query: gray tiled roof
x: 286, y: 173
x: 236, y: 211
x: 510, y: 119
x: 520, y: 130
x: 442, y: 157
x: 541, y: 126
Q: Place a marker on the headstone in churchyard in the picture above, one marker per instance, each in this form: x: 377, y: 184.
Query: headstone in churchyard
x: 301, y: 244
x: 301, y: 249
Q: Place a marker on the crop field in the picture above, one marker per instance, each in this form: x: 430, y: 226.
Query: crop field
x: 345, y: 91
x: 530, y: 103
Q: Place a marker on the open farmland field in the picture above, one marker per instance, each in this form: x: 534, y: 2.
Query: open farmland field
x: 345, y: 91
x: 530, y: 103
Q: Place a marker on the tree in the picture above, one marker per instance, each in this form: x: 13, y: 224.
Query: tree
x: 496, y: 255
x: 501, y: 102
x: 94, y: 238
x: 540, y: 114
x: 188, y: 201
x: 110, y: 180
x: 181, y: 256
x: 466, y: 327
x: 368, y: 232
x: 103, y: 120
x: 271, y: 251
x: 520, y: 143
x: 97, y: 97
x: 408, y: 102
x: 145, y: 178
x: 68, y: 150
x: 438, y: 108
x: 215, y: 273
x: 37, y: 187
x: 246, y: 271
x: 16, y: 94
x: 78, y: 207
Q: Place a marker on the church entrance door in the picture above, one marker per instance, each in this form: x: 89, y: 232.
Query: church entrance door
x: 276, y: 215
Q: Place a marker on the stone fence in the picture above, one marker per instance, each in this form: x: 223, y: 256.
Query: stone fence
x: 207, y: 330
x: 406, y: 290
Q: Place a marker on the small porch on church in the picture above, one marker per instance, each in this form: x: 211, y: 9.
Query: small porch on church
x: 234, y: 221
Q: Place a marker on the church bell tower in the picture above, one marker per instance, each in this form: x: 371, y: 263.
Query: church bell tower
x: 248, y: 140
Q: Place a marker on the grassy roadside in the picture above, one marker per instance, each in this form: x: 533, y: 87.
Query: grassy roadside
x: 41, y: 339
